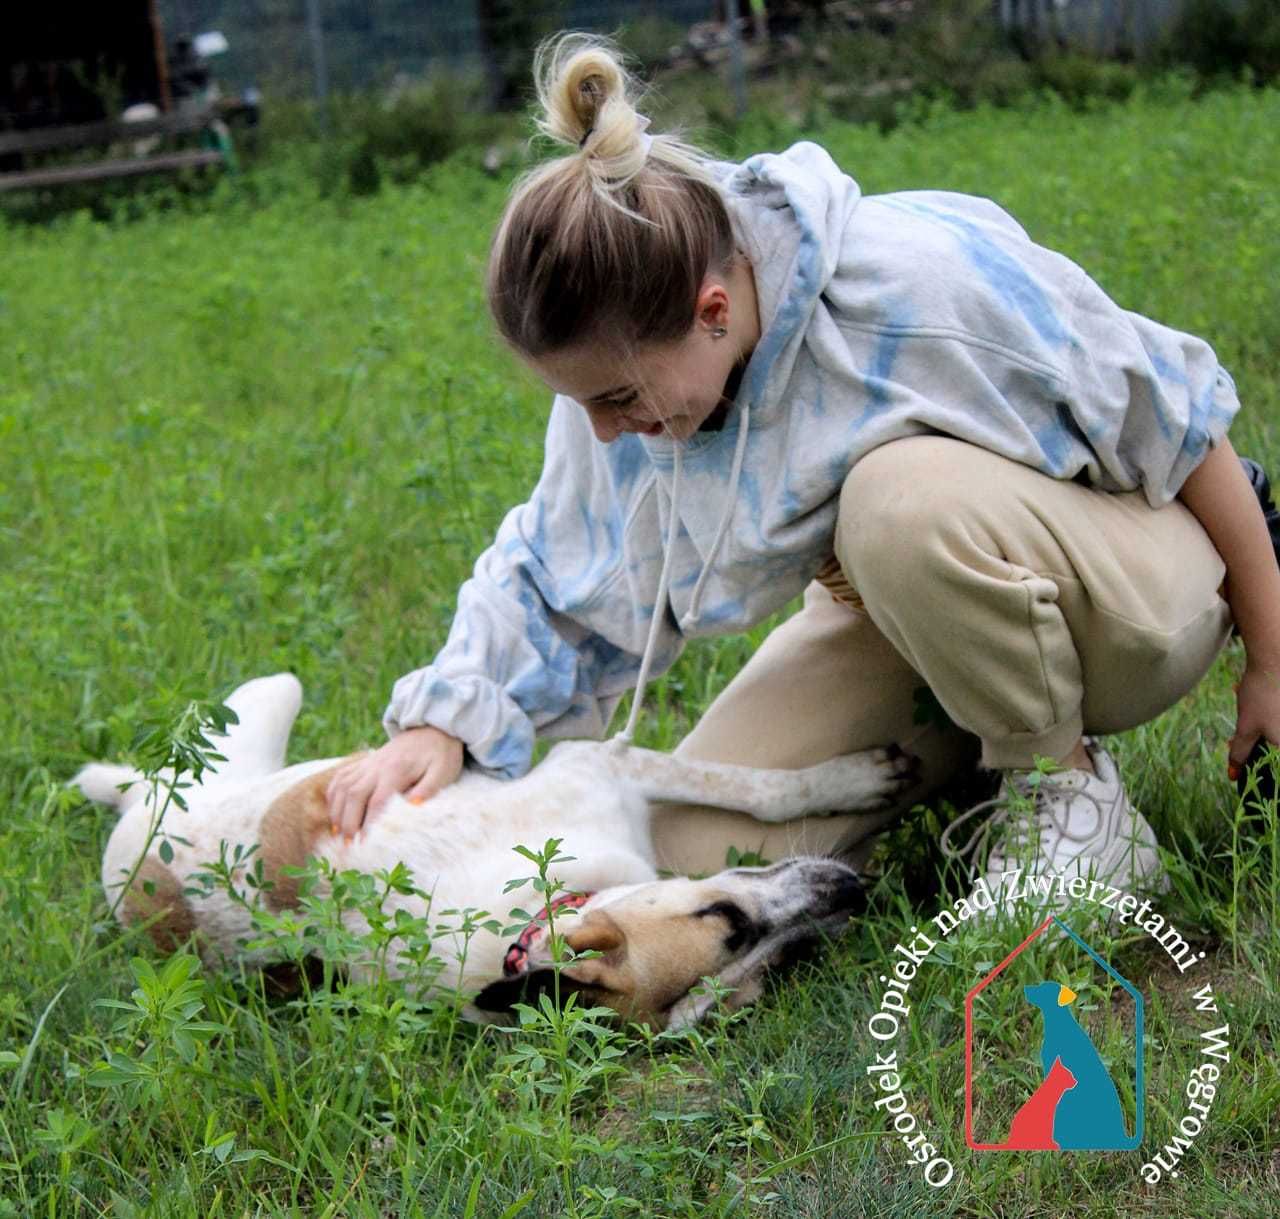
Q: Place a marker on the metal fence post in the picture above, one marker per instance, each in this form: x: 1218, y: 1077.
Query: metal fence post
x: 315, y: 28
x: 737, y: 67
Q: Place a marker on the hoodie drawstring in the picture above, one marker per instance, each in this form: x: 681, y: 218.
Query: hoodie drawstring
x: 659, y: 606
x: 664, y: 580
x: 735, y: 472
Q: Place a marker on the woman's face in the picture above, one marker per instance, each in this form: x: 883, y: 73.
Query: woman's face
x: 661, y: 389
x: 667, y: 389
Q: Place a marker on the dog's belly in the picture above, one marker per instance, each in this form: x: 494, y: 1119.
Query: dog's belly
x: 458, y: 846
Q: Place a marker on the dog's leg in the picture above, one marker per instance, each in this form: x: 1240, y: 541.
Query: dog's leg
x: 253, y: 748
x: 286, y: 818
x: 866, y: 781
x: 744, y: 979
x: 266, y: 708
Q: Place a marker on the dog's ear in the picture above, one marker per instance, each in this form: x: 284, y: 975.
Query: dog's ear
x: 524, y: 988
x: 694, y: 1007
x: 744, y: 980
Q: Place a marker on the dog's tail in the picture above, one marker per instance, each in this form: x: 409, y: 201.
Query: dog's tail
x: 107, y: 784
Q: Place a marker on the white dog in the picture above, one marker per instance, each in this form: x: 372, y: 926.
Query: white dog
x: 657, y: 938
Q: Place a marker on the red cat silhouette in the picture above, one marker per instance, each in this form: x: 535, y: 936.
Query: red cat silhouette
x: 1032, y: 1126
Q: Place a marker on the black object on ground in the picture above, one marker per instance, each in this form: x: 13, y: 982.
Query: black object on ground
x: 1264, y: 790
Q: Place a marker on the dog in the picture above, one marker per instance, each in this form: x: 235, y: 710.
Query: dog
x: 657, y: 938
x: 1089, y: 1116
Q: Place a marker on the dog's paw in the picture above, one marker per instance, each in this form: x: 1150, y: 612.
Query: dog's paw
x: 104, y: 783
x: 870, y: 781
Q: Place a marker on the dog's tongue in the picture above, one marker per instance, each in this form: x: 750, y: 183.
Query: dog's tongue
x: 517, y: 959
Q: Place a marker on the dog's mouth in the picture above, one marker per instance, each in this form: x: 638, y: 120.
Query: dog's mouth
x: 793, y: 909
x: 516, y: 960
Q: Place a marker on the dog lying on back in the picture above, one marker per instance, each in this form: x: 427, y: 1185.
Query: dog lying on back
x: 657, y: 938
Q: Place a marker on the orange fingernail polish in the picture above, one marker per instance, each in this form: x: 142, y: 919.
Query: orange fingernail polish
x: 1233, y: 771
x: 416, y: 800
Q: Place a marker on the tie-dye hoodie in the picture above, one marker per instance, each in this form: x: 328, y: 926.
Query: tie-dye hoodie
x: 882, y: 317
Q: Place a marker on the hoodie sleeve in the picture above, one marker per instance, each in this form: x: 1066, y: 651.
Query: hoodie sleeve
x: 548, y: 633
x: 1151, y: 400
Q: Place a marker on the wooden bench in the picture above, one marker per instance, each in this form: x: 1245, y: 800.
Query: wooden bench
x: 112, y: 131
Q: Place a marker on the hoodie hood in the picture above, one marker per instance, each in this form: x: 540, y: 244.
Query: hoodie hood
x: 789, y: 212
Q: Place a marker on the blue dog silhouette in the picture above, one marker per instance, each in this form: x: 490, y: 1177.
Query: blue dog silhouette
x: 1089, y: 1116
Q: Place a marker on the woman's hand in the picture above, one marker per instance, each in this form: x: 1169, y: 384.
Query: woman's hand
x: 1257, y: 712
x: 1219, y: 493
x: 417, y: 762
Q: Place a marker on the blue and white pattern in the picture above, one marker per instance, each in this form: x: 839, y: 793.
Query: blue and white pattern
x: 884, y: 317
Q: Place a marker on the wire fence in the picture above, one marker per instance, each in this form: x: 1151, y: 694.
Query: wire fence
x: 1124, y: 28
x: 365, y: 43
x: 287, y: 47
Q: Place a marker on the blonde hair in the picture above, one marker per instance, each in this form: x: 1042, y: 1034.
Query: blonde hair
x: 612, y: 241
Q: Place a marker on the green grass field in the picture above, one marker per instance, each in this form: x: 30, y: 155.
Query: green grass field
x: 273, y: 434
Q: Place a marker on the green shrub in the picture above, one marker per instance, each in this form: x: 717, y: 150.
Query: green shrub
x: 377, y: 136
x: 650, y: 39
x: 1221, y: 38
x: 1078, y: 79
x: 952, y: 49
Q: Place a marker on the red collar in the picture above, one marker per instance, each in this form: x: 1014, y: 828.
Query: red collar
x: 517, y: 957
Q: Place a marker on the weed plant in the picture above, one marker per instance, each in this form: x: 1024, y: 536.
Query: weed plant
x: 274, y: 435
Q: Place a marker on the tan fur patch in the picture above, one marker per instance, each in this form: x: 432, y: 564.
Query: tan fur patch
x: 175, y: 921
x: 289, y: 831
x: 651, y: 959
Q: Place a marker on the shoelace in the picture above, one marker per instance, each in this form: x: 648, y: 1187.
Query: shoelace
x: 1044, y: 814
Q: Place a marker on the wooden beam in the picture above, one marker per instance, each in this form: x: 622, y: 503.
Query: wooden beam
x: 92, y: 171
x: 162, y: 59
x: 45, y: 139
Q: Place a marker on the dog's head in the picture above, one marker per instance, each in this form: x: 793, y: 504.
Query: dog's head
x: 659, y: 940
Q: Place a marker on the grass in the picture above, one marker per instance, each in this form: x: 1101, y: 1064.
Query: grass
x: 274, y: 434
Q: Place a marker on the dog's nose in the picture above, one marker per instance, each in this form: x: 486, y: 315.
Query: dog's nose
x: 842, y: 891
x: 847, y: 892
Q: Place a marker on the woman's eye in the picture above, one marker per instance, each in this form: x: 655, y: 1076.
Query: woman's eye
x: 618, y: 403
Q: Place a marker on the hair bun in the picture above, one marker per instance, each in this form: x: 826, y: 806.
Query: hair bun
x: 587, y: 95
x: 592, y: 91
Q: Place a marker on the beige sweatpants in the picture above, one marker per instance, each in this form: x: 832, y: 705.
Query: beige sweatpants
x: 1033, y: 609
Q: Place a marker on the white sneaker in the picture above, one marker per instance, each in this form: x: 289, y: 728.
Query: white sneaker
x: 1067, y: 823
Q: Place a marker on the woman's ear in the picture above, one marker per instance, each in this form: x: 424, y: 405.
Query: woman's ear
x: 712, y: 307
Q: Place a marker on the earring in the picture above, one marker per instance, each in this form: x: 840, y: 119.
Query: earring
x: 719, y: 332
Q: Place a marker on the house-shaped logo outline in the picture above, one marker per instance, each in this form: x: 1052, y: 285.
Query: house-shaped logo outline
x: 1139, y: 1012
